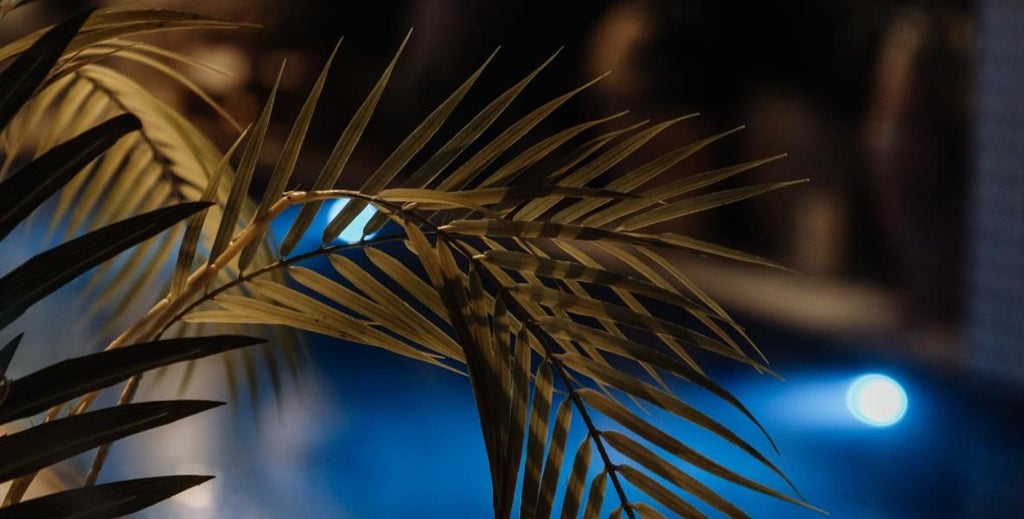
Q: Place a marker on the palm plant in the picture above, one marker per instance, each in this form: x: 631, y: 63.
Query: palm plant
x: 533, y: 276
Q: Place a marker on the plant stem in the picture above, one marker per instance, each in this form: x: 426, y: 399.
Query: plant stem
x: 156, y: 319
x: 266, y: 269
x: 127, y: 394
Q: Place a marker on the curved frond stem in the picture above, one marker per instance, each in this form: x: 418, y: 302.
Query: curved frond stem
x: 127, y: 395
x: 279, y: 264
x: 158, y: 317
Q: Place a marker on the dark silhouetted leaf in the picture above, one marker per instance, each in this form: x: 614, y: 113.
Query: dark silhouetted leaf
x: 29, y: 70
x: 43, y: 445
x: 104, y: 501
x: 7, y: 353
x: 75, y: 377
x: 24, y: 191
x: 48, y: 271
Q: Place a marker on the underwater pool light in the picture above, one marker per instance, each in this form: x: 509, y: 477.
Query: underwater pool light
x: 876, y: 400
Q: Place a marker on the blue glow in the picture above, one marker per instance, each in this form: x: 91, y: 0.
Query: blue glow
x: 354, y: 231
x: 876, y: 400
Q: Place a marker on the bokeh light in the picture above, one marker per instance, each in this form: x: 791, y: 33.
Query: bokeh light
x: 876, y: 400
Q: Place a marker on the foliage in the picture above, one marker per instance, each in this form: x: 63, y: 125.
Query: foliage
x: 533, y: 274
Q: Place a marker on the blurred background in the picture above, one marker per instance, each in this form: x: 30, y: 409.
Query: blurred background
x: 906, y: 117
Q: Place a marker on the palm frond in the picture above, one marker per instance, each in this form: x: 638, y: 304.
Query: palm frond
x: 168, y: 161
x: 505, y: 274
x: 27, y: 451
x: 520, y: 258
x: 493, y: 292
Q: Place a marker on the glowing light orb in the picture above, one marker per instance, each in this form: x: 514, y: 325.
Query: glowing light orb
x: 354, y: 231
x: 876, y: 400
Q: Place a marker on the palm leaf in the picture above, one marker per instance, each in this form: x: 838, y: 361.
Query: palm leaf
x: 596, y: 496
x: 650, y: 433
x: 104, y: 501
x: 659, y: 493
x: 540, y: 410
x: 669, y: 472
x: 464, y: 175
x: 405, y: 151
x: 597, y: 166
x: 111, y: 23
x: 24, y: 191
x: 412, y: 283
x: 496, y: 228
x: 289, y: 156
x: 553, y: 464
x: 600, y: 309
x: 577, y: 481
x: 50, y: 442
x: 246, y: 167
x: 632, y: 180
x: 559, y: 269
x: 517, y: 418
x: 340, y: 155
x: 194, y: 227
x: 663, y: 400
x: 71, y: 378
x: 22, y: 78
x: 476, y: 199
x: 666, y: 191
x: 45, y: 272
x: 170, y: 161
x: 6, y: 355
x: 636, y: 351
x: 305, y: 313
x: 133, y: 51
x: 494, y: 283
x: 700, y: 203
x: 387, y: 310
x: 432, y: 168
